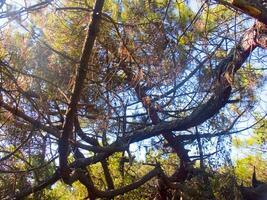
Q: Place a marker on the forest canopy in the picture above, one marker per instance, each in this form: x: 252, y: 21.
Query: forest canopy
x: 133, y: 99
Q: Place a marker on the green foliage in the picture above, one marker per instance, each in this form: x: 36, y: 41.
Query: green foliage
x: 244, y: 168
x: 61, y: 191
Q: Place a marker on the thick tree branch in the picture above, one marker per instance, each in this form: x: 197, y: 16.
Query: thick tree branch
x: 107, y: 174
x: 79, y: 82
x: 222, y: 91
x: 256, y: 8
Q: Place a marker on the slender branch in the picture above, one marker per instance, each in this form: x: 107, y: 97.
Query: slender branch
x: 19, y: 113
x: 29, y: 9
x: 16, y: 149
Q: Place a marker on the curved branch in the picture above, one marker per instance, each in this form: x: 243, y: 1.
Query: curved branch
x: 111, y: 193
x: 221, y: 92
